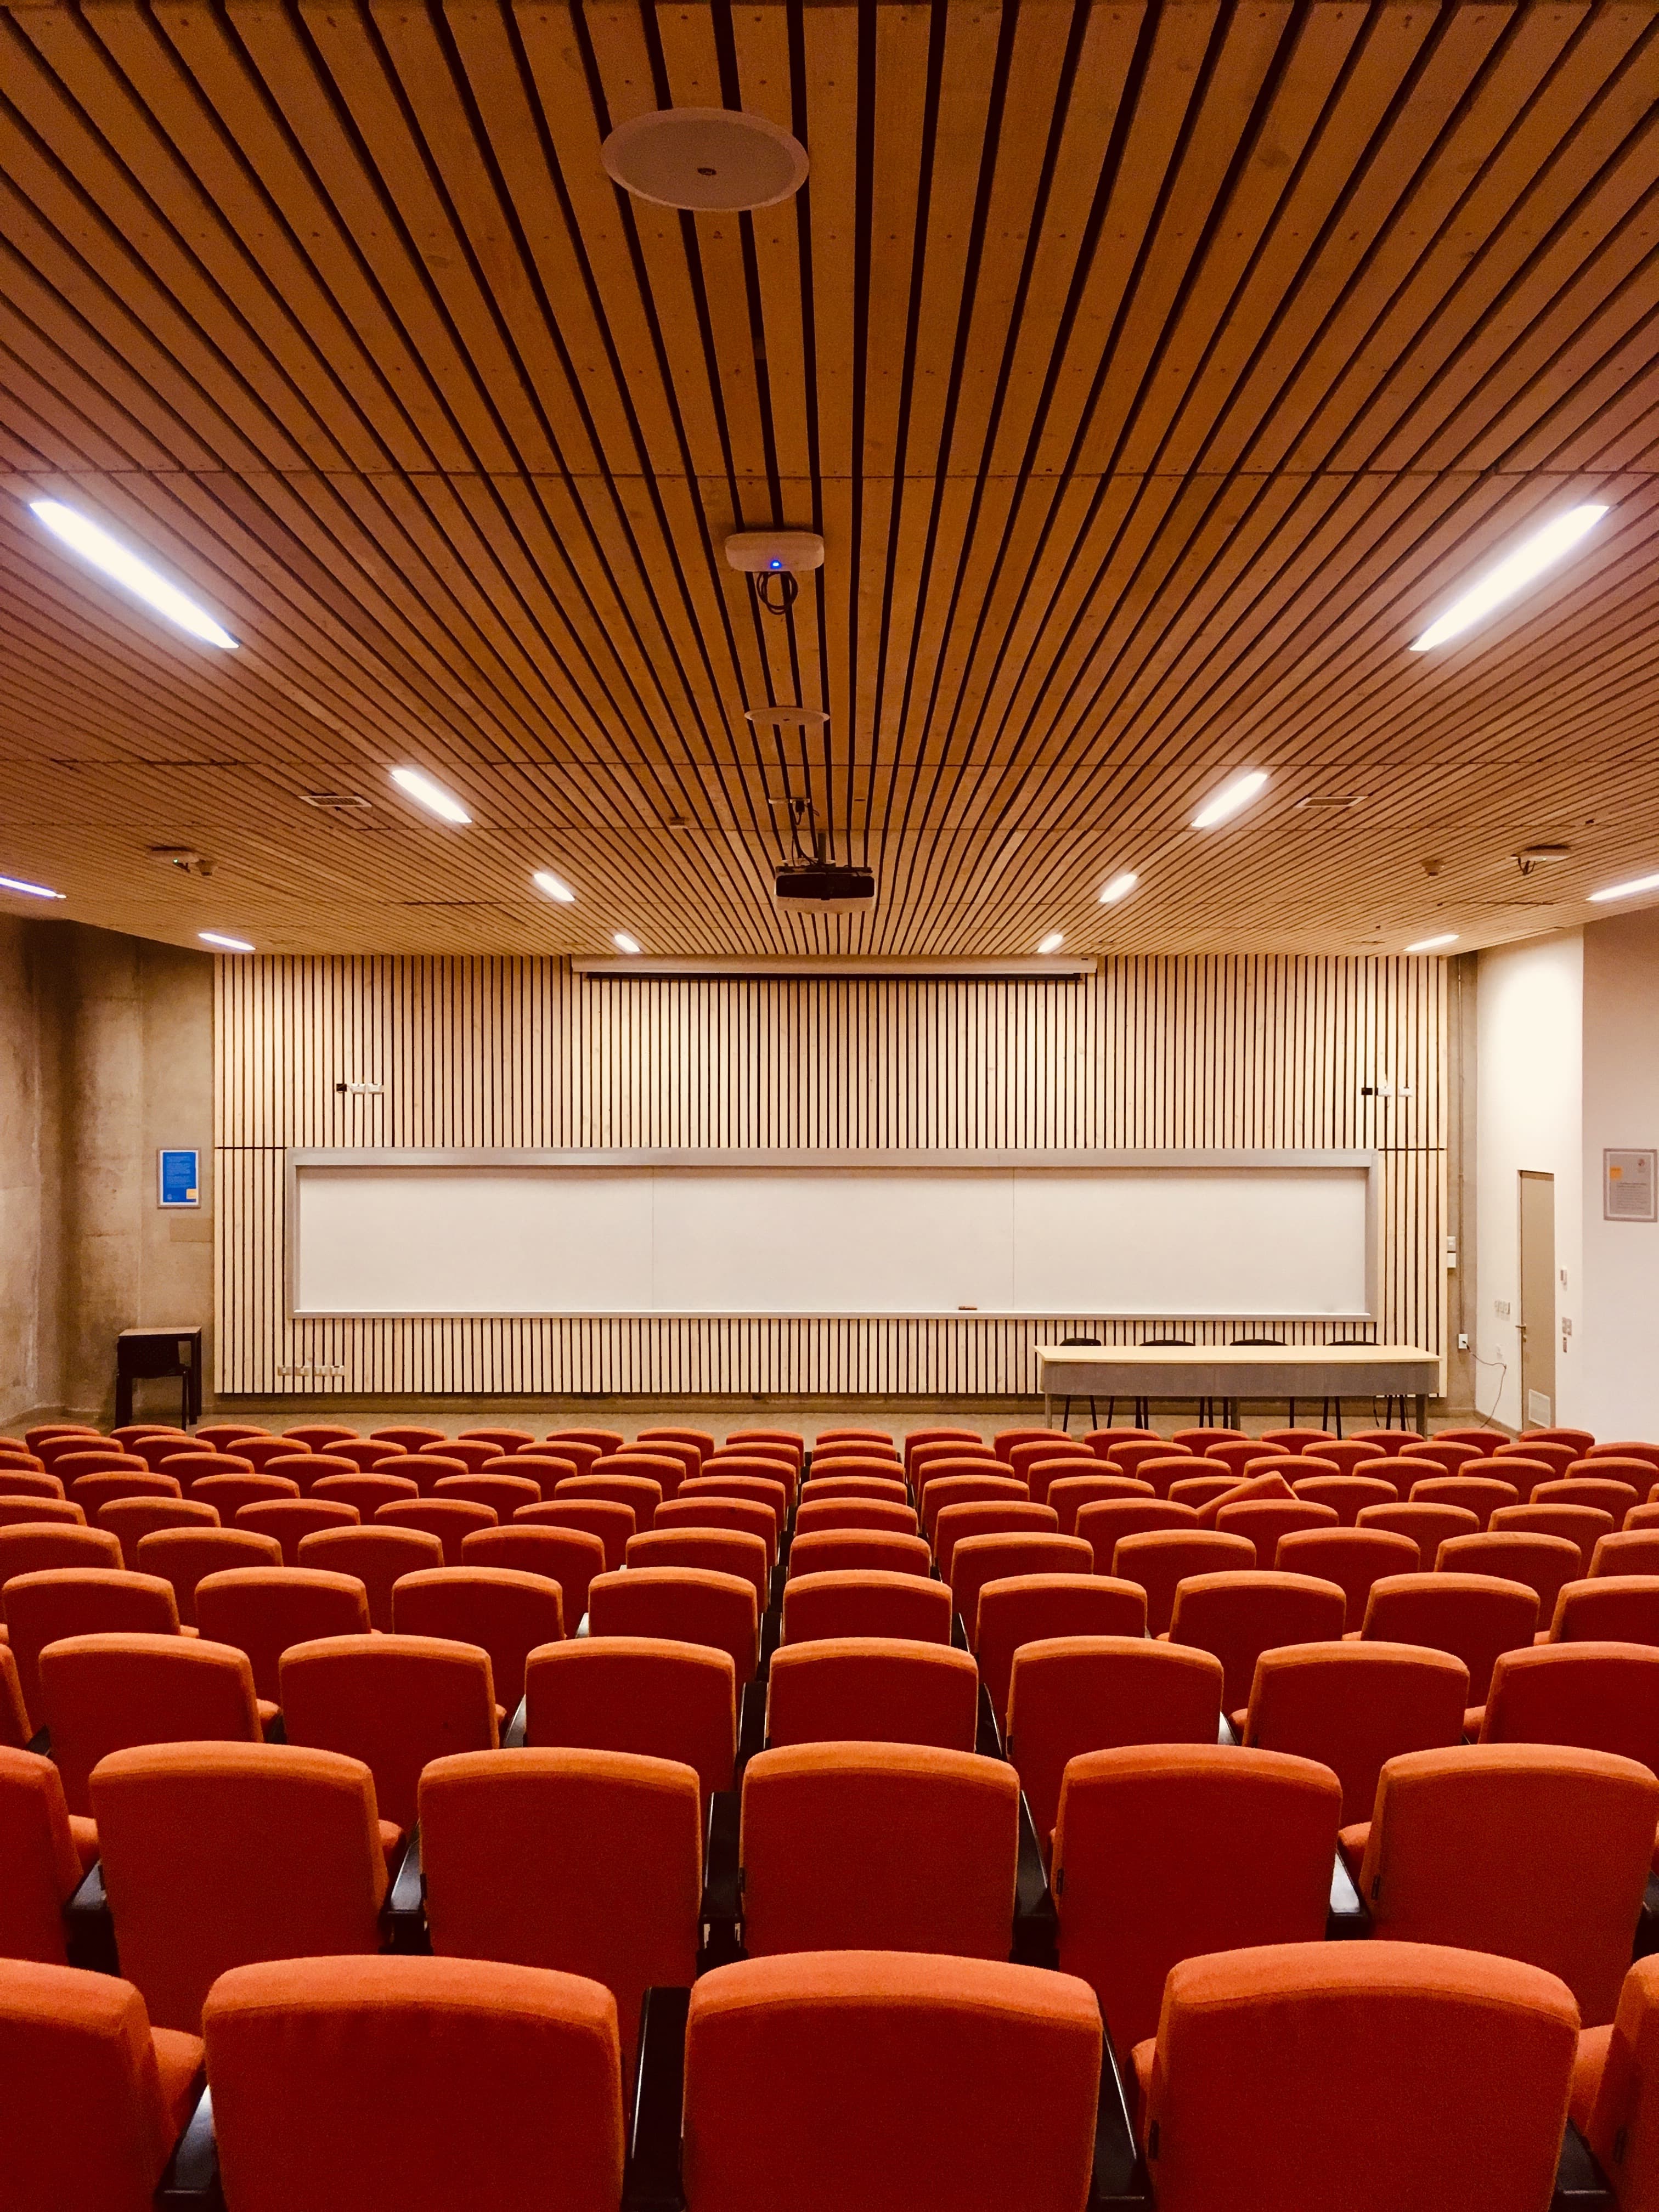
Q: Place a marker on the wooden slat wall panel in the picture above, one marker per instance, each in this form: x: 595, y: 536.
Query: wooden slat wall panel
x: 1257, y: 1052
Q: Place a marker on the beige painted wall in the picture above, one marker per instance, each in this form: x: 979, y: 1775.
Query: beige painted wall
x: 106, y: 1054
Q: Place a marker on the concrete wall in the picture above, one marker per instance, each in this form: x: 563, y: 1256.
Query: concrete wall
x: 106, y: 1054
x: 1530, y: 1089
x: 1620, y: 1323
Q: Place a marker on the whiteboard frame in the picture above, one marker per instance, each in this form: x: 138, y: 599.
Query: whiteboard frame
x: 299, y: 1157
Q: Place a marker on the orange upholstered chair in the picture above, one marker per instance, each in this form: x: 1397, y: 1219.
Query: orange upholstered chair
x: 1008, y: 2055
x: 760, y: 1465
x: 875, y: 1489
x: 745, y: 1516
x: 1618, y: 1608
x: 103, y: 1693
x: 1473, y: 1616
x: 364, y: 1453
x: 829, y: 1550
x: 473, y: 1454
x: 503, y: 1493
x: 1544, y: 1564
x: 879, y: 1847
x: 1428, y: 1526
x: 507, y: 1614
x: 915, y: 1439
x: 1539, y: 1444
x: 1024, y: 1453
x: 40, y: 1867
x: 666, y: 1469
x: 33, y: 1546
x: 699, y: 1438
x: 215, y: 1855
x: 1103, y: 1522
x: 451, y: 1520
x: 754, y: 1489
x: 685, y: 1605
x: 367, y: 1491
x: 1347, y: 1495
x: 1161, y: 1474
x: 1140, y: 1883
x: 1161, y: 1559
x: 228, y: 1493
x: 185, y: 1557
x: 978, y: 1560
x: 1443, y: 1452
x: 1537, y: 1851
x: 1603, y: 1495
x: 853, y: 1513
x: 992, y: 1488
x: 1238, y: 1616
x: 14, y: 1728
x: 611, y: 1523
x: 328, y: 2079
x: 871, y: 1689
x: 1073, y: 1492
x: 540, y: 1465
x: 1020, y: 1609
x: 93, y: 1491
x: 615, y: 1839
x: 637, y: 1693
x: 854, y: 1602
x: 262, y: 1452
x: 131, y: 1518
x: 1199, y: 1440
x: 425, y: 1469
x: 1353, y: 1557
x: 92, y: 2098
x: 632, y: 1489
x: 826, y: 1437
x: 1355, y: 1706
x: 1397, y: 2076
x: 394, y: 1702
x: 1269, y: 1484
x: 1626, y: 1552
x: 1266, y: 1521
x: 1614, y: 1448
x: 45, y: 1608
x: 408, y: 1439
x: 311, y: 1467
x: 318, y: 1435
x: 720, y: 1551
x: 1599, y: 1697
x: 264, y: 1610
x: 1613, y: 2105
x: 1481, y: 1495
x: 379, y: 1557
x: 18, y: 1515
x: 27, y: 1482
x: 290, y: 1520
x: 570, y: 1557
x: 1072, y: 1694
x: 989, y: 1517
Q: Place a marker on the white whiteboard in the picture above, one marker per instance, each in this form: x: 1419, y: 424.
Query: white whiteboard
x: 1248, y: 1236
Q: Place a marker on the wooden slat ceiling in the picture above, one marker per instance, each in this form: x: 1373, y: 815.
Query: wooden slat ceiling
x: 1152, y: 374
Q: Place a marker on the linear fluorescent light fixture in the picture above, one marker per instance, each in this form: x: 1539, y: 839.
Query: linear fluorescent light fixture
x: 1230, y: 798
x: 28, y: 890
x: 1625, y: 891
x: 555, y: 886
x: 1053, y: 941
x: 1119, y: 888
x: 415, y: 783
x: 225, y: 943
x: 123, y: 566
x: 1434, y: 944
x: 625, y: 943
x: 1530, y: 558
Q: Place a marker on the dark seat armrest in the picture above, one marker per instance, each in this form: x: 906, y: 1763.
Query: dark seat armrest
x: 958, y: 1633
x: 1119, y: 2181
x: 1580, y: 2184
x: 191, y: 2180
x: 517, y: 1728
x: 1036, y: 1924
x: 403, y: 1916
x: 1346, y: 1917
x: 40, y: 1743
x: 652, y: 2180
x: 89, y: 1926
x: 988, y: 1741
x: 752, y: 1725
x: 722, y: 1881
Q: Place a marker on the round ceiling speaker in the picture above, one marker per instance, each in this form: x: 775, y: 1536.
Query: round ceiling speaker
x: 712, y: 160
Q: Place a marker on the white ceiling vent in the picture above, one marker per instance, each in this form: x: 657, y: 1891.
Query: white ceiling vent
x: 712, y: 160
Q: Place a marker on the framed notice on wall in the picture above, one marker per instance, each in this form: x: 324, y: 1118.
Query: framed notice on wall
x: 1628, y: 1187
x: 179, y: 1181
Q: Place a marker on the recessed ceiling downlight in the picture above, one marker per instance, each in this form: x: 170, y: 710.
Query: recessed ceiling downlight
x: 712, y: 160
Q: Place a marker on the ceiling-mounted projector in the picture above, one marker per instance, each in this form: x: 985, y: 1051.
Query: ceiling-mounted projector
x: 824, y: 887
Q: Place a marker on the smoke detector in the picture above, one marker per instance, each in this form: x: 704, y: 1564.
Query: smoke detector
x: 712, y: 161
x: 187, y: 860
x: 1537, y: 856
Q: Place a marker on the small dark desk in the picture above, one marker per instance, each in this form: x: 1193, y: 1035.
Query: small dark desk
x: 143, y: 1354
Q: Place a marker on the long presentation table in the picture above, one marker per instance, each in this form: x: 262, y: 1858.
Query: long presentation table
x: 1239, y: 1372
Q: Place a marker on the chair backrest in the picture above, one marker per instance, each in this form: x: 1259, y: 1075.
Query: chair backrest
x: 1037, y: 1462
x: 1474, y: 1616
x: 1545, y: 1564
x: 290, y: 1520
x: 1577, y: 1831
x: 40, y: 1867
x: 311, y: 1467
x: 666, y: 1469
x: 473, y: 1453
x: 747, y: 1515
x: 1139, y: 1883
x: 864, y: 1602
x: 215, y: 1855
x: 1558, y: 1457
x: 1356, y: 2048
x: 14, y: 1728
x: 93, y: 1491
x: 451, y: 1520
x: 1072, y: 1694
x: 1354, y: 1706
x: 1428, y: 1526
x: 502, y: 1611
x: 41, y: 1513
x: 1007, y: 2059
x: 503, y: 1493
x: 722, y: 1551
x: 101, y: 1693
x: 637, y: 1693
x: 228, y: 1493
x: 185, y: 1557
x: 394, y: 1702
x: 570, y: 1557
x: 1069, y: 1496
x: 1605, y: 1496
x: 755, y: 1488
x: 1271, y: 1484
x: 611, y: 1523
x: 635, y: 1489
x: 1031, y: 1608
x: 425, y: 1469
x: 1527, y: 1475
x: 1621, y: 2123
x: 871, y: 1689
x: 989, y: 1517
x: 35, y: 1548
x: 365, y: 1454
x: 377, y: 1557
x: 616, y: 1841
x: 1601, y: 1696
x: 406, y: 1439
x: 1266, y: 1520
x: 1444, y: 1452
x: 827, y: 1437
x: 685, y: 1605
x: 699, y: 1438
x: 1624, y: 1449
x: 978, y: 1560
x: 1161, y: 1559
x: 43, y: 1608
x: 546, y: 2045
x: 318, y: 1435
x: 879, y: 1847
x: 131, y: 1518
x: 264, y: 1610
x: 935, y: 1494
x: 1352, y: 1558
x: 17, y: 1481
x: 1481, y: 1495
x: 261, y: 1453
x: 853, y: 1513
x: 1626, y: 1552
x: 827, y: 1549
x: 880, y: 1489
x: 1635, y: 1473
x: 1162, y: 1473
x: 1617, y: 1609
x: 78, y: 2047
x: 1238, y: 1616
x: 365, y: 1491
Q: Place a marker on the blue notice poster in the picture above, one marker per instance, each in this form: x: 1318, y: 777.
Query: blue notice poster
x: 180, y: 1186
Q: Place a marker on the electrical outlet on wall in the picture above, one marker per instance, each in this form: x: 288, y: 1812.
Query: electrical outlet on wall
x: 1462, y: 1341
